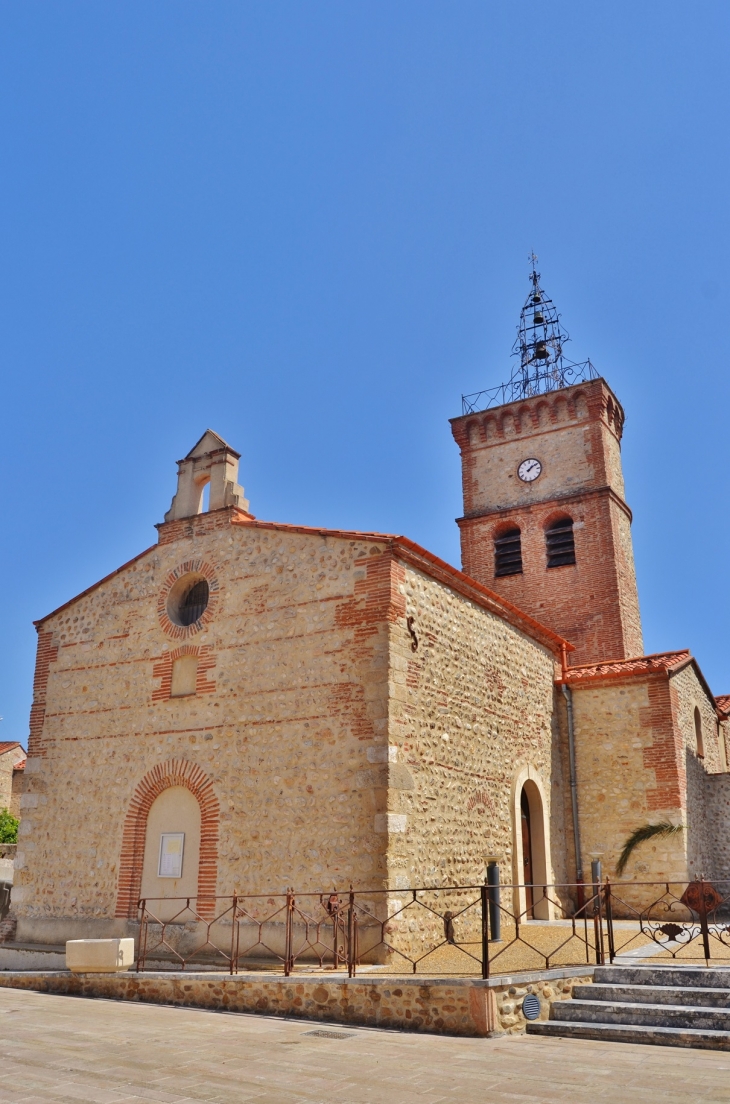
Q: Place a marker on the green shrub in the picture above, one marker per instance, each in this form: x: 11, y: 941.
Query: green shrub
x: 8, y: 827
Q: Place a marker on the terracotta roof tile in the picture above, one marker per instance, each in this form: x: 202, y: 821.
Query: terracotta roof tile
x: 723, y: 704
x: 621, y: 668
x: 8, y: 745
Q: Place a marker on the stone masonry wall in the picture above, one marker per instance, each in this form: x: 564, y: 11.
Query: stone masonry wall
x: 718, y: 828
x: 637, y: 763
x: 625, y: 739
x: 469, y: 708
x: 689, y: 693
x: 438, y: 1006
x: 314, y: 711
x: 299, y: 642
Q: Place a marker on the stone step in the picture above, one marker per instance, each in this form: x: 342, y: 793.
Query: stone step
x: 648, y: 1015
x: 654, y: 994
x: 624, y: 1033
x: 717, y: 977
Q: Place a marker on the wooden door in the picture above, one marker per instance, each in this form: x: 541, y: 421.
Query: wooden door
x: 527, y: 871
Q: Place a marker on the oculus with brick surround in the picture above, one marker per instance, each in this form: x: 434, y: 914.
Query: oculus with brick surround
x: 331, y: 707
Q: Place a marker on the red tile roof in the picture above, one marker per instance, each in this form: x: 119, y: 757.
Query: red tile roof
x: 8, y: 745
x: 723, y: 704
x: 623, y: 668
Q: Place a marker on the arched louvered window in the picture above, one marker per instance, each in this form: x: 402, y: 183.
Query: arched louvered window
x: 560, y: 543
x: 508, y: 553
x: 194, y: 603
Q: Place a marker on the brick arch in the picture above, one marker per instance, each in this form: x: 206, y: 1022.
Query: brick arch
x: 554, y: 516
x: 505, y: 526
x: 175, y: 772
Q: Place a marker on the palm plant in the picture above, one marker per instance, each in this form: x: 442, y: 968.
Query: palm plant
x: 641, y: 835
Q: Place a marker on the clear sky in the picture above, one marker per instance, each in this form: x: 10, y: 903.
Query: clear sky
x: 306, y: 225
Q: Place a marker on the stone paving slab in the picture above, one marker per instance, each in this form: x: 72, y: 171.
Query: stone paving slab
x: 56, y: 1049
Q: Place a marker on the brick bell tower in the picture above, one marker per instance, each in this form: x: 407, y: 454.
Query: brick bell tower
x: 545, y: 521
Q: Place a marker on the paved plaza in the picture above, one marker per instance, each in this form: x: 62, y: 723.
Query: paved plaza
x: 55, y: 1048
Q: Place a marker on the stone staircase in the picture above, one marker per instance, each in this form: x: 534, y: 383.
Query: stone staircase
x: 665, y: 1005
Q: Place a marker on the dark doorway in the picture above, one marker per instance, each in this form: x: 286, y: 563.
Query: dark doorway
x: 527, y: 869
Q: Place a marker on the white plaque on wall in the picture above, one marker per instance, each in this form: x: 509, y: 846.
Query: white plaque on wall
x: 172, y: 845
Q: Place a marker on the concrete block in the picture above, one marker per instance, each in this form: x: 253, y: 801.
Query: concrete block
x: 99, y: 956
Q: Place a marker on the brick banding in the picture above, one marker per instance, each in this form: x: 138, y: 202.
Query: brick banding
x: 162, y: 670
x: 47, y: 652
x: 174, y: 772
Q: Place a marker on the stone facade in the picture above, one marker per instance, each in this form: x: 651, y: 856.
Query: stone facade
x: 717, y: 804
x: 321, y: 748
x: 638, y: 763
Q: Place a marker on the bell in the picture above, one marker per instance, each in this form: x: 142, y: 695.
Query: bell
x: 541, y: 351
x: 536, y: 298
x: 538, y: 318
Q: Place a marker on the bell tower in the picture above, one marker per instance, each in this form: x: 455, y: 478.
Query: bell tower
x: 545, y: 522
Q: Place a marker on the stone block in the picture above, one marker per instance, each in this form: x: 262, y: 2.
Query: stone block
x: 99, y: 956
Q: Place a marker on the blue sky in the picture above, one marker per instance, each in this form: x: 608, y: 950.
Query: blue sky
x: 306, y: 225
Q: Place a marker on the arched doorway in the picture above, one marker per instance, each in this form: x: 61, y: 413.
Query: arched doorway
x: 173, y: 774
x: 172, y: 851
x: 532, y: 868
x: 527, y: 866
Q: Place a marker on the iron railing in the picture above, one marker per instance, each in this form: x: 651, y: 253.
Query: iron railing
x: 520, y: 387
x: 442, y: 930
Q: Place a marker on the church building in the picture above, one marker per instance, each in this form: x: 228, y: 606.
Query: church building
x: 250, y: 705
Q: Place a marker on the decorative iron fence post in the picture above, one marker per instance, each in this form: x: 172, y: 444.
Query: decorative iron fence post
x: 597, y: 915
x: 485, y: 929
x: 703, y: 920
x: 609, y: 922
x: 288, y: 952
x: 142, y: 944
x: 234, y: 956
x: 351, y: 955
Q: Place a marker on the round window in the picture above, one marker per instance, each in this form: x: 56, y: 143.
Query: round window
x: 188, y: 600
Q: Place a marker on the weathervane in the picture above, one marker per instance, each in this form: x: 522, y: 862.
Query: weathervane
x: 539, y: 345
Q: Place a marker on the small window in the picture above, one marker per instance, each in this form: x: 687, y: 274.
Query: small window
x: 508, y: 553
x: 560, y: 543
x: 698, y: 735
x: 184, y: 676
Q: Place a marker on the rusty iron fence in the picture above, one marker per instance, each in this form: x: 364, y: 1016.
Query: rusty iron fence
x: 479, y: 930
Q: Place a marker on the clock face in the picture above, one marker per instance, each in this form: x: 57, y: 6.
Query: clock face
x: 529, y: 469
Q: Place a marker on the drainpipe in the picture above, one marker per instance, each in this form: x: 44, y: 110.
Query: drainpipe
x: 568, y: 695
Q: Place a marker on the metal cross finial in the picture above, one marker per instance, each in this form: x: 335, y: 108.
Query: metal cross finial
x: 535, y: 276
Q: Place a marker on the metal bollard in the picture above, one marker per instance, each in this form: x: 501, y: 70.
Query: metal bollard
x: 495, y: 915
